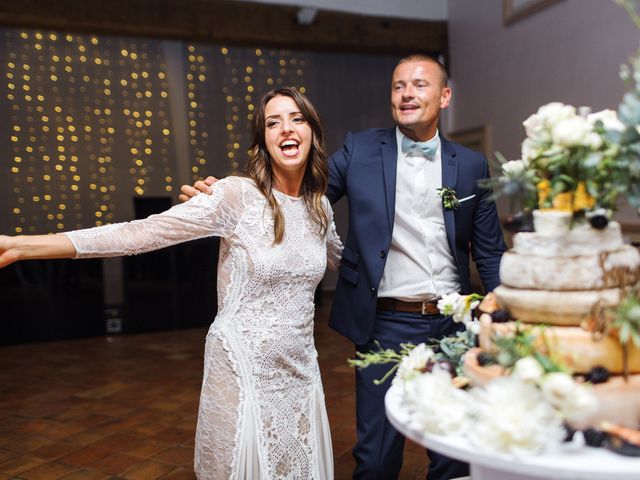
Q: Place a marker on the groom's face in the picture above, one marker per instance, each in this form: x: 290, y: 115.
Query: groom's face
x: 417, y: 96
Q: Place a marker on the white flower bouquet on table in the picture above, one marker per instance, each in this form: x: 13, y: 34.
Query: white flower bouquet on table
x: 524, y: 413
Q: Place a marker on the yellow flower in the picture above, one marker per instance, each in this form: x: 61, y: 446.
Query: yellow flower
x: 566, y: 201
x: 582, y: 199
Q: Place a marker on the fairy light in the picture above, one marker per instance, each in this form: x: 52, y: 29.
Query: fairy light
x: 66, y: 94
x: 197, y: 101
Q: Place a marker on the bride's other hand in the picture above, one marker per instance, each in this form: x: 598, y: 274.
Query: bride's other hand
x: 203, y: 186
x: 32, y: 247
x: 8, y: 254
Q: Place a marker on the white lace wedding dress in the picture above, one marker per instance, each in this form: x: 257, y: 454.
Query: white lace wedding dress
x: 262, y: 411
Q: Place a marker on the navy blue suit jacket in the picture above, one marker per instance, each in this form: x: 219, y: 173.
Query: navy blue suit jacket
x: 365, y: 171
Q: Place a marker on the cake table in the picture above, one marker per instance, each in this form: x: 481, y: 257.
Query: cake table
x: 572, y: 463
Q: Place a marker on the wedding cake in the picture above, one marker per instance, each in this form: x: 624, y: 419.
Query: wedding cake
x: 560, y: 284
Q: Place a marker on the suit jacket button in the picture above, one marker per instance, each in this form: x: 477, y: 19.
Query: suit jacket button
x: 383, y: 254
x: 373, y: 290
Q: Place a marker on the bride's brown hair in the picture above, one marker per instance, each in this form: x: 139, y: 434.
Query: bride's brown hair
x: 314, y: 182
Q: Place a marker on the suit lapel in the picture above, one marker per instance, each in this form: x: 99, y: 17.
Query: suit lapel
x: 389, y: 149
x: 449, y: 179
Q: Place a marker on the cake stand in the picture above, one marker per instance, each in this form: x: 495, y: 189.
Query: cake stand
x: 571, y: 463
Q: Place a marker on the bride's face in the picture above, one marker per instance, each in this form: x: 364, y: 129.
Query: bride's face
x: 288, y: 136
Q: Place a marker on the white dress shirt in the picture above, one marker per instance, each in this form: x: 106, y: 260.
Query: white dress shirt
x: 419, y: 264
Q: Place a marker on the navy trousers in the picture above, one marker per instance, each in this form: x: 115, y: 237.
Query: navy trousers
x: 378, y: 450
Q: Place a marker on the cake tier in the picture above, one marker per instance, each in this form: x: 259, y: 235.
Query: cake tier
x: 581, y: 240
x: 595, y: 271
x: 575, y: 346
x: 554, y: 307
x: 618, y: 399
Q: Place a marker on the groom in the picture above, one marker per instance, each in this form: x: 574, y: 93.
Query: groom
x: 404, y: 248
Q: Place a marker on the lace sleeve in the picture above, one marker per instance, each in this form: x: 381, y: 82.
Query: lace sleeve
x: 204, y: 215
x: 334, y: 245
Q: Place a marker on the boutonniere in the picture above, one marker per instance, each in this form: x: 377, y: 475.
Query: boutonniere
x: 449, y: 199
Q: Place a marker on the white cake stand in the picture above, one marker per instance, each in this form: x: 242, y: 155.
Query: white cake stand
x: 572, y: 463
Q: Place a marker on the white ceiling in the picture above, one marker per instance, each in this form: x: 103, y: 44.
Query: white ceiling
x: 412, y: 9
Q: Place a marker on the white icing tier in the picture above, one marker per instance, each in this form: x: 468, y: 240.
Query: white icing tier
x: 607, y: 269
x: 581, y: 240
x: 575, y: 345
x: 554, y: 307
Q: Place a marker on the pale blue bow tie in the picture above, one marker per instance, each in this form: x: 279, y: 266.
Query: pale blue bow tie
x: 427, y: 149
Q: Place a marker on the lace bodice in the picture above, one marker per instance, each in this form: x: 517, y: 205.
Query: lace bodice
x: 262, y: 411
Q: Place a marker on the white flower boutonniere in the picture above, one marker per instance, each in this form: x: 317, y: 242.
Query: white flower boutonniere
x: 449, y: 199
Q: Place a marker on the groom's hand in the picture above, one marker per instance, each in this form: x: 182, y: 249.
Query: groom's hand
x: 204, y: 186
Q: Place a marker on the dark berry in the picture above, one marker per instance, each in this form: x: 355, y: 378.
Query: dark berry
x: 579, y: 215
x: 597, y: 375
x: 485, y: 358
x: 513, y: 223
x: 569, y: 432
x: 599, y: 222
x: 499, y: 316
x: 445, y: 365
x: 593, y: 437
x: 519, y: 222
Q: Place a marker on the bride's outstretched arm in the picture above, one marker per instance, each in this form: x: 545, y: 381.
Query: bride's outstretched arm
x: 33, y: 247
x: 205, y: 215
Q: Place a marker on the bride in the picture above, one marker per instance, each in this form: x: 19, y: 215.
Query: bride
x: 262, y: 413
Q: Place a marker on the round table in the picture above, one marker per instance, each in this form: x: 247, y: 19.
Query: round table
x: 572, y: 463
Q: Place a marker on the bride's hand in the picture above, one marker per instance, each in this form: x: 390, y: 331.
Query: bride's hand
x: 8, y: 252
x: 32, y: 247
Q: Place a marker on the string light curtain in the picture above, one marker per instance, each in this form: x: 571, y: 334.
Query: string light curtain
x: 90, y: 122
x: 88, y: 125
x: 224, y: 85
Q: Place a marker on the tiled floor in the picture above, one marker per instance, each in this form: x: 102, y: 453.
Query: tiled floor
x: 125, y: 407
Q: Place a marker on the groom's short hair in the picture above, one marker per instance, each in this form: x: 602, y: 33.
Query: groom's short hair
x: 419, y: 57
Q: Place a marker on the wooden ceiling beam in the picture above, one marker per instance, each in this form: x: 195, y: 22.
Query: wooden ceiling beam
x: 231, y: 23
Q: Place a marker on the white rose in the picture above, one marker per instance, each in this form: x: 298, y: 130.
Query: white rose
x: 530, y: 150
x: 609, y: 119
x: 473, y: 326
x: 528, y: 369
x: 555, y: 112
x: 557, y: 387
x: 411, y: 365
x: 436, y: 406
x: 512, y: 417
x: 514, y: 168
x: 594, y: 140
x: 571, y: 132
x: 535, y: 128
x: 580, y: 406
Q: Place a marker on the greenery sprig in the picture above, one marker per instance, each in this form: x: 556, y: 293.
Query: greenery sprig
x: 382, y: 356
x: 523, y: 344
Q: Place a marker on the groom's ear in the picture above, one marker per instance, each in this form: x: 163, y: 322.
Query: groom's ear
x: 445, y: 97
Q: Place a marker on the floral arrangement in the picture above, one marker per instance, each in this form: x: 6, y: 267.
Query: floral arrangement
x: 577, y: 161
x: 535, y: 401
x: 534, y: 405
x: 448, y: 352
